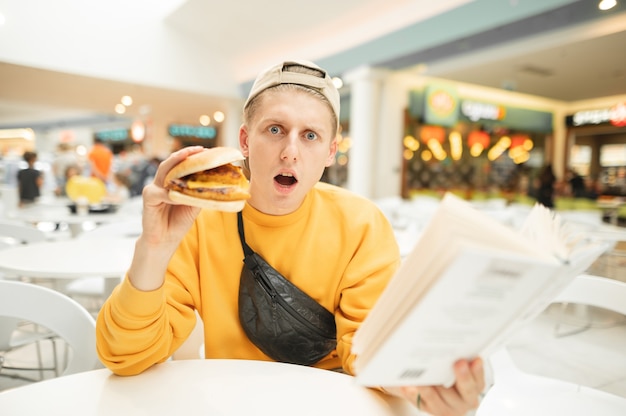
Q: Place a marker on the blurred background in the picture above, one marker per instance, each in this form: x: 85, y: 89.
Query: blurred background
x: 474, y: 97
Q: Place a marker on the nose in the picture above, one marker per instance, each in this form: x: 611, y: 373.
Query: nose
x: 290, y: 149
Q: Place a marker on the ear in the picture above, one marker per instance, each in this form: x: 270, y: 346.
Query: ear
x: 243, y: 140
x: 332, y: 151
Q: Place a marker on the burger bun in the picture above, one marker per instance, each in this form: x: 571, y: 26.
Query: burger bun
x: 227, y: 206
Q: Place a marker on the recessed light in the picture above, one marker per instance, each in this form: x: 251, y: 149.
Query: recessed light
x: 205, y: 120
x: 218, y: 116
x: 607, y: 4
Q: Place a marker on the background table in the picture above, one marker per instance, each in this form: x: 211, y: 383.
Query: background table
x: 70, y: 259
x: 60, y: 213
x: 205, y: 387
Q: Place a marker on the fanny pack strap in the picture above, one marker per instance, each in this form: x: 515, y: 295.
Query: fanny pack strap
x: 246, y: 248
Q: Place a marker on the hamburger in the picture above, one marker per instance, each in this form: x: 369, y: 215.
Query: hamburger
x: 208, y: 179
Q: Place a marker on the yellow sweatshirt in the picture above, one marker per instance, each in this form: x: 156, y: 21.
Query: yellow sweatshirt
x: 337, y: 247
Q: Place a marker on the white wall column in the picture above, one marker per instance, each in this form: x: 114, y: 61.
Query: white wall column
x: 229, y: 129
x: 365, y: 90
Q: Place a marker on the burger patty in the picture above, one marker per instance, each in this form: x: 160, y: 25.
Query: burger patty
x: 224, y: 183
x: 226, y: 174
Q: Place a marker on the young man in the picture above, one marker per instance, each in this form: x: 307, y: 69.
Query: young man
x: 335, y: 246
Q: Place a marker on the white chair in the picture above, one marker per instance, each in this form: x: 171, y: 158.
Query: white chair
x: 59, y: 314
x: 518, y: 393
x: 14, y: 336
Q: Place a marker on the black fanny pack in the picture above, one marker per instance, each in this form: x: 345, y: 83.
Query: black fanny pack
x: 279, y: 318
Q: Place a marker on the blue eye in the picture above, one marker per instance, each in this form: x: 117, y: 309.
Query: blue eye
x: 274, y: 130
x: 311, y: 136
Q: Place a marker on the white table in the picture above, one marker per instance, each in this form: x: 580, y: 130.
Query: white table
x: 54, y: 213
x: 204, y: 387
x: 70, y: 259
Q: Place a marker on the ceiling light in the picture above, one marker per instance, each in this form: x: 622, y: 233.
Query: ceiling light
x: 205, y: 120
x: 218, y: 116
x: 137, y: 131
x: 607, y: 4
x: 120, y: 109
x: 127, y: 100
x: 337, y: 82
x: 26, y: 134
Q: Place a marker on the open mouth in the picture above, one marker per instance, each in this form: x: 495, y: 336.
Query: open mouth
x: 285, y: 179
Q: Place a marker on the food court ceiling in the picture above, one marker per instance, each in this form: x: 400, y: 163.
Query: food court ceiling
x: 559, y: 49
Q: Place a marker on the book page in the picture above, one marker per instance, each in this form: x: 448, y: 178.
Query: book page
x: 466, y: 286
x: 455, y: 221
x: 475, y: 297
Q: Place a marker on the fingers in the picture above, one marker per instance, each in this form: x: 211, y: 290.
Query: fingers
x: 456, y: 400
x: 173, y: 160
x: 470, y: 380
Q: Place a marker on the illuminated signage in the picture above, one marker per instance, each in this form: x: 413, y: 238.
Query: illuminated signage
x: 475, y: 111
x: 442, y: 105
x: 615, y: 115
x: 115, y: 135
x: 185, y: 130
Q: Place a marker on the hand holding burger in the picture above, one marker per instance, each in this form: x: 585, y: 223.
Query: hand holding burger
x: 208, y: 179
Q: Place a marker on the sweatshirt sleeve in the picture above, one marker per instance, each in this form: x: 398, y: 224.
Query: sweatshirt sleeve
x: 137, y: 329
x: 372, y: 266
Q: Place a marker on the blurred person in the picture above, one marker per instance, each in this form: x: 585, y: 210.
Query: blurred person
x: 100, y: 160
x: 188, y: 259
x: 576, y: 184
x: 29, y: 180
x: 119, y: 191
x: 593, y: 187
x: 65, y: 157
x: 545, y: 186
x: 70, y: 172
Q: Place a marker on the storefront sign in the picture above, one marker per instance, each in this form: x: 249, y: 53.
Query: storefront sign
x: 476, y: 111
x: 615, y: 115
x: 430, y: 105
x: 442, y: 105
x: 115, y: 135
x: 185, y: 130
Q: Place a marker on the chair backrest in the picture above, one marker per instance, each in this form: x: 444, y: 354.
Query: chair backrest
x: 57, y: 312
x: 516, y: 392
x: 596, y: 291
x: 13, y: 232
x: 7, y: 327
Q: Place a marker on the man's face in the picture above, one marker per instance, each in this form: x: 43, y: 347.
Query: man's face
x: 288, y: 142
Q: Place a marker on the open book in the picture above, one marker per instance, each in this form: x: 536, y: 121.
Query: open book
x: 466, y: 286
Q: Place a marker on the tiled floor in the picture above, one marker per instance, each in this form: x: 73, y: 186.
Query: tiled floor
x: 594, y: 355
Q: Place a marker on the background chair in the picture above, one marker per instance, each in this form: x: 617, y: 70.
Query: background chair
x: 59, y: 314
x: 14, y: 336
x: 518, y: 393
